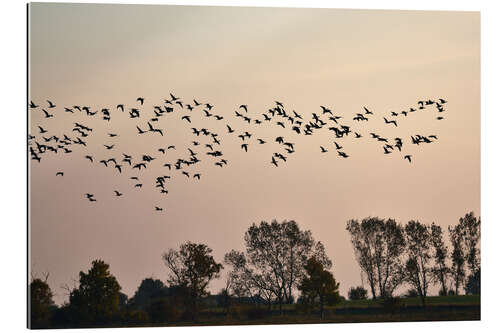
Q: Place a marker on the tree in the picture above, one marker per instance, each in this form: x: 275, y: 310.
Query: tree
x: 245, y: 283
x: 473, y: 285
x: 273, y: 265
x: 318, y: 286
x: 192, y: 267
x: 418, y: 270
x: 457, y: 257
x: 41, y: 302
x: 97, y: 299
x: 378, y: 246
x: 357, y: 293
x: 149, y: 290
x: 471, y: 233
x: 440, y: 271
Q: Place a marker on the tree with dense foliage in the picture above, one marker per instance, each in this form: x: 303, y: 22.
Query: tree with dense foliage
x: 318, y: 286
x: 357, y: 293
x: 273, y: 265
x: 97, y: 299
x: 192, y: 267
x: 418, y: 248
x: 149, y: 290
x: 378, y: 246
x: 41, y: 303
x: 440, y: 271
x: 473, y: 285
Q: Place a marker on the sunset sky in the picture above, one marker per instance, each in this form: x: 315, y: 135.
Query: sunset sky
x: 104, y: 55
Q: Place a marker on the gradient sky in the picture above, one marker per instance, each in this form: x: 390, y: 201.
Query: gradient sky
x: 103, y: 55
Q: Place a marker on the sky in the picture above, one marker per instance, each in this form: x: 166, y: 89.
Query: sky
x: 104, y: 55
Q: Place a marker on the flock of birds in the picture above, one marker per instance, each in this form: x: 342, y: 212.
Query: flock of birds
x: 46, y: 141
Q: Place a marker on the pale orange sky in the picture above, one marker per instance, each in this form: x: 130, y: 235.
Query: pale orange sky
x: 102, y: 55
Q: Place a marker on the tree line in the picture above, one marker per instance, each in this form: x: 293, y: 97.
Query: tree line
x: 280, y: 262
x: 391, y: 254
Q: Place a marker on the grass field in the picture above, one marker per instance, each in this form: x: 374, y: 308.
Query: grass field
x: 439, y: 308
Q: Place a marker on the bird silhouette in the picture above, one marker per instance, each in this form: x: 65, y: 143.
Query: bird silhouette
x: 323, y: 150
x: 47, y: 115
x: 60, y: 173
x: 390, y: 121
x: 51, y: 105
x: 118, y: 194
x: 408, y: 157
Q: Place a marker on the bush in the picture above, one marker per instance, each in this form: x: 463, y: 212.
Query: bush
x: 411, y: 293
x: 161, y: 311
x: 357, y: 293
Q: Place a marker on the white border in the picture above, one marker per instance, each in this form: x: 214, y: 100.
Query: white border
x: 13, y: 166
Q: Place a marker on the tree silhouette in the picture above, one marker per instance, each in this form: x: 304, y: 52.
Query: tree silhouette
x: 457, y: 256
x: 417, y: 274
x: 473, y: 285
x: 97, y: 299
x: 192, y: 267
x: 378, y: 246
x: 357, y: 293
x: 471, y: 231
x: 318, y: 286
x: 276, y: 254
x: 40, y: 303
x: 149, y: 290
x: 440, y: 270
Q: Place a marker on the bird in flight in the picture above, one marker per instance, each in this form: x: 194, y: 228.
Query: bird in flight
x: 118, y: 194
x: 47, y: 115
x: 390, y: 122
x: 51, y: 105
x: 323, y: 150
x: 408, y: 157
x: 141, y: 100
x: 60, y: 173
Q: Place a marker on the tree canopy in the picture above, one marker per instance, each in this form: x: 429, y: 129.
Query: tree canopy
x: 97, y: 299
